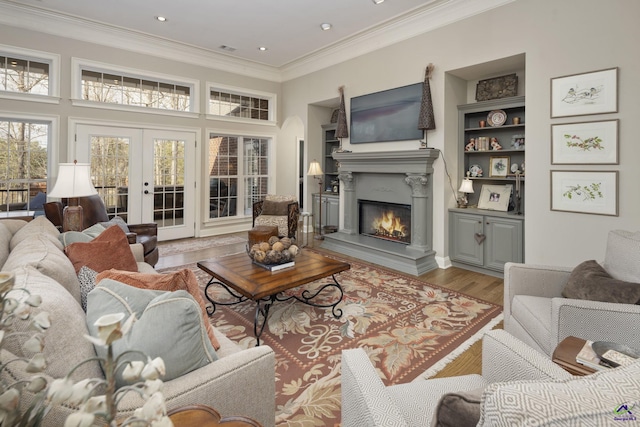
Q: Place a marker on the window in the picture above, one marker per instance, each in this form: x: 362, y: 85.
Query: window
x: 28, y: 75
x: 238, y: 174
x: 24, y: 146
x: 238, y: 104
x: 109, y: 87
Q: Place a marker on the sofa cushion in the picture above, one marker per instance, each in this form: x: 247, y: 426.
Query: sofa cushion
x: 40, y: 226
x: 5, y: 239
x: 65, y: 346
x: 604, y: 398
x: 534, y: 315
x: 116, y: 220
x: 109, y: 250
x: 590, y: 281
x: 460, y: 409
x: 179, y: 280
x: 169, y: 325
x: 40, y: 252
x: 622, y: 256
x: 270, y: 207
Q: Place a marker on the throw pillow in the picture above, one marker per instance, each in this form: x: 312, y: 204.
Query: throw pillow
x: 275, y: 208
x: 39, y: 226
x: 459, y: 409
x: 622, y: 256
x: 180, y: 280
x: 590, y: 281
x: 87, y: 280
x: 116, y: 220
x: 84, y: 236
x: 169, y: 325
x: 109, y: 250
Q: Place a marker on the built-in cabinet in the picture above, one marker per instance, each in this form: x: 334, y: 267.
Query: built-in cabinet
x: 330, y: 210
x: 330, y: 166
x: 485, y: 239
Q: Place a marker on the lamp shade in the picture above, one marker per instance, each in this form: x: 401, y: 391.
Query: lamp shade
x: 315, y: 169
x: 466, y: 186
x: 74, y: 180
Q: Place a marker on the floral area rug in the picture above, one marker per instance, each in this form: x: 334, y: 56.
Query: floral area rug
x: 178, y: 246
x: 405, y: 325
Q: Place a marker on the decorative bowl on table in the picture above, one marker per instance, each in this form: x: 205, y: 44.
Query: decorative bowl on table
x: 274, y: 252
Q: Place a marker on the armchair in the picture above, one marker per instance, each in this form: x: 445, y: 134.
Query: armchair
x: 518, y: 386
x: 281, y: 211
x: 536, y: 312
x: 94, y: 211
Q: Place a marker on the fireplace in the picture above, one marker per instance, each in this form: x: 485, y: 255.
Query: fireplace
x: 387, y: 221
x: 376, y: 182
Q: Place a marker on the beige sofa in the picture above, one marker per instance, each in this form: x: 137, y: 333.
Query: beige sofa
x: 33, y: 252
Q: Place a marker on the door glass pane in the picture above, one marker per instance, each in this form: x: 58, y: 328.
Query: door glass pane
x: 256, y: 171
x: 110, y: 172
x: 223, y: 179
x: 169, y: 177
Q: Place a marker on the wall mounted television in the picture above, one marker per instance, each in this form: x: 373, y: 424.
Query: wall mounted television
x: 390, y: 115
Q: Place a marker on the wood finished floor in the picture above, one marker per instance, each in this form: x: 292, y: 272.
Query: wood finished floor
x: 478, y: 285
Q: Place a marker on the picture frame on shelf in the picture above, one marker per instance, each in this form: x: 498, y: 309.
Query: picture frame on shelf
x: 589, y: 192
x: 499, y: 166
x: 594, y: 92
x: 585, y: 143
x: 495, y: 197
x: 517, y: 142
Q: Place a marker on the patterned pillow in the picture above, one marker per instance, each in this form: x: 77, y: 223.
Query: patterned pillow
x: 597, y: 399
x: 87, y: 279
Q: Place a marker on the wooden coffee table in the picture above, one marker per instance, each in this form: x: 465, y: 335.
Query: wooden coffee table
x: 244, y: 280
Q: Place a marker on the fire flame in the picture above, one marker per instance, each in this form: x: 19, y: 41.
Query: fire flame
x: 390, y: 225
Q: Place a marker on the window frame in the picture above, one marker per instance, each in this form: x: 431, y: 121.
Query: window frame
x: 80, y: 64
x: 53, y: 146
x: 35, y: 55
x: 240, y: 208
x: 235, y: 90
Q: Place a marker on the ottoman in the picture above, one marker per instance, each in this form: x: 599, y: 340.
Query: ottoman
x: 262, y: 233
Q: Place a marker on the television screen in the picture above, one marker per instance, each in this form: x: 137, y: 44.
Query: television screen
x: 390, y: 115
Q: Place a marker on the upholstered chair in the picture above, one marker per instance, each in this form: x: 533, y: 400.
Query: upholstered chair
x: 94, y: 211
x: 280, y: 211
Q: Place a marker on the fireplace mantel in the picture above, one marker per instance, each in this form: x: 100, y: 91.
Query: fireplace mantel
x: 395, y: 177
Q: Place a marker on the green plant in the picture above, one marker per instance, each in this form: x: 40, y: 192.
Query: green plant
x: 588, y: 192
x: 586, y: 144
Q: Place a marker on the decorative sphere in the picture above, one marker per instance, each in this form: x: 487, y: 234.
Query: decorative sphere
x: 273, y: 239
x: 277, y: 246
x: 264, y: 246
x: 259, y: 256
x: 286, y: 242
x: 293, y: 250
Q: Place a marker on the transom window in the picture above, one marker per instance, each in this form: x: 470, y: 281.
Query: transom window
x: 24, y: 148
x: 238, y: 174
x: 28, y: 74
x: 236, y: 103
x: 119, y: 88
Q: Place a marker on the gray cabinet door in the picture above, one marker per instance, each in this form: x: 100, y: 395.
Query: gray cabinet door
x: 332, y: 205
x: 466, y: 238
x: 503, y: 243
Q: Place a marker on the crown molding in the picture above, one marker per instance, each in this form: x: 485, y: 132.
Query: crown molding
x: 418, y: 22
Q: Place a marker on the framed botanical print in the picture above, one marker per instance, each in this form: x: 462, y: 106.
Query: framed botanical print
x: 587, y: 143
x: 595, y: 92
x: 592, y: 192
x: 499, y: 166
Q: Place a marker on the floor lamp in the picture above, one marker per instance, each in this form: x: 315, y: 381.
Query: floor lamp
x: 74, y: 180
x: 316, y: 171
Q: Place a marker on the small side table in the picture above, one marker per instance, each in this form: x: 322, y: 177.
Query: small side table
x: 565, y: 356
x: 204, y: 416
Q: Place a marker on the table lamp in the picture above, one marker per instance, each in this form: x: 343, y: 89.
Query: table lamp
x: 466, y: 187
x: 74, y: 180
x: 316, y: 171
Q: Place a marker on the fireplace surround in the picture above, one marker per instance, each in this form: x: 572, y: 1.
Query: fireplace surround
x: 400, y: 178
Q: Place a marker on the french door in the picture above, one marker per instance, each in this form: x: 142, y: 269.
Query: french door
x: 143, y: 175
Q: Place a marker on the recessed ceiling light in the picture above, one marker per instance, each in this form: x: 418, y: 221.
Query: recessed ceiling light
x: 161, y: 18
x: 325, y: 26
x: 262, y: 48
x: 378, y: 1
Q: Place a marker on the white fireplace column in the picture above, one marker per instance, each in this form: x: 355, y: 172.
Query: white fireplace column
x: 347, y: 186
x: 421, y: 212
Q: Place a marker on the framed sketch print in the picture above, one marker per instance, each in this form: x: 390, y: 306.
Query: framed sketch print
x: 595, y: 92
x: 499, y: 166
x: 587, y: 143
x: 495, y: 197
x: 585, y: 192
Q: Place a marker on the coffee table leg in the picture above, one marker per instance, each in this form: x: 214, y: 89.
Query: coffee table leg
x: 307, y: 296
x: 264, y: 312
x: 213, y: 281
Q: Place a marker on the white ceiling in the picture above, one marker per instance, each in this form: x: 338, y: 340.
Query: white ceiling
x: 290, y: 29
